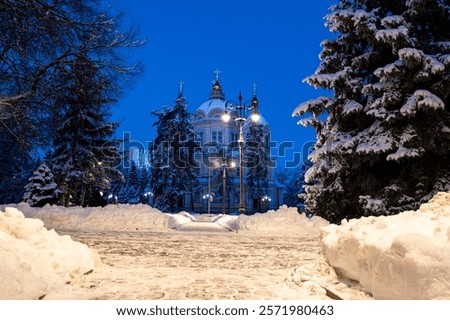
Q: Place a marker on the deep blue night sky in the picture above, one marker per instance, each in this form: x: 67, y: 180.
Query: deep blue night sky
x: 273, y: 43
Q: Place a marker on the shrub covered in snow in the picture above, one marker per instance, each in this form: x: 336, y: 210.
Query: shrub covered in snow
x: 41, y: 188
x: 35, y: 261
x: 405, y: 256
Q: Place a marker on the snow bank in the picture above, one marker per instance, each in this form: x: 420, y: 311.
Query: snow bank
x: 406, y: 256
x: 35, y: 261
x: 124, y: 217
x: 284, y: 221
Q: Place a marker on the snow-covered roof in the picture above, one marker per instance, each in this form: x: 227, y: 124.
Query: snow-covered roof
x: 214, y: 106
x: 210, y: 105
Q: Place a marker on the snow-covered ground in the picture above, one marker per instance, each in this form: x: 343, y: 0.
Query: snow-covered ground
x: 123, y: 217
x: 35, y: 261
x: 406, y: 256
x: 283, y: 222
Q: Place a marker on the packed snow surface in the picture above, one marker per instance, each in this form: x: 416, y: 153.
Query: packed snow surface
x: 35, y: 261
x: 143, y: 217
x: 405, y: 256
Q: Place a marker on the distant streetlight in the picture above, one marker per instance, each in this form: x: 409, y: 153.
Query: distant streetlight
x: 241, y: 118
x: 147, y: 196
x: 208, y: 197
x: 265, y: 200
x: 225, y: 166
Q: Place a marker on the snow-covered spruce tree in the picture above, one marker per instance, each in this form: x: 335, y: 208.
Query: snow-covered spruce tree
x: 41, y: 188
x: 85, y: 157
x: 136, y: 182
x: 258, y: 162
x: 383, y: 139
x: 173, y: 169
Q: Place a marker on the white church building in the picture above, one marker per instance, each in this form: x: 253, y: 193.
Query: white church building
x: 219, y: 152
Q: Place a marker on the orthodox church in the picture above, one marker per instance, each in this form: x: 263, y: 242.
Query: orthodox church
x: 218, y: 158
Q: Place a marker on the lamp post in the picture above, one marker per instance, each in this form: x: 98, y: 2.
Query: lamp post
x: 225, y: 166
x: 208, y: 195
x: 266, y: 199
x: 241, y: 118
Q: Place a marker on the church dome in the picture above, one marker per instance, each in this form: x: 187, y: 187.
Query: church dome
x: 211, y: 108
x: 214, y: 106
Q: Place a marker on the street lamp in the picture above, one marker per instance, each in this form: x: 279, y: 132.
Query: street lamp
x: 147, y: 196
x: 241, y: 118
x: 209, y: 197
x: 266, y: 199
x: 225, y: 166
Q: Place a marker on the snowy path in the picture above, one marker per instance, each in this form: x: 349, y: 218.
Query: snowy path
x: 196, y: 265
x: 185, y: 265
x: 202, y: 226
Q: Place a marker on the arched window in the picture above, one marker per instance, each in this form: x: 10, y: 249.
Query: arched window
x: 215, y: 113
x: 199, y: 115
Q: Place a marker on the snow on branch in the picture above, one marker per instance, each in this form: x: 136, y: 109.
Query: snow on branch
x: 421, y: 99
x: 310, y: 121
x: 410, y: 54
x: 351, y: 107
x: 327, y: 80
x: 414, y: 57
x: 445, y: 59
x: 433, y: 66
x: 338, y: 20
x: 371, y: 204
x: 365, y: 20
x: 389, y: 70
x: 428, y: 100
x: 405, y: 153
x: 392, y: 21
x: 443, y: 45
x: 389, y: 35
x: 308, y: 106
x: 377, y: 144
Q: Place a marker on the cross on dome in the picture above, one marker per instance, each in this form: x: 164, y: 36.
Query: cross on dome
x: 217, y: 72
x: 254, y: 88
x: 216, y: 92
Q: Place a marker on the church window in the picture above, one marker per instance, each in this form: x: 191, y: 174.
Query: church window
x: 217, y: 136
x: 200, y: 137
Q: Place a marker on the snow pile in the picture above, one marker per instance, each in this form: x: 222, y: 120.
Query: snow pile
x: 35, y: 261
x: 124, y: 217
x: 284, y: 221
x: 405, y: 256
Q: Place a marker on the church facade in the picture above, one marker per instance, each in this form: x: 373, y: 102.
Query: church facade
x: 218, y: 160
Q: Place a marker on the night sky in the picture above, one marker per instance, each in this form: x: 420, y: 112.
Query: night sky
x: 273, y: 43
